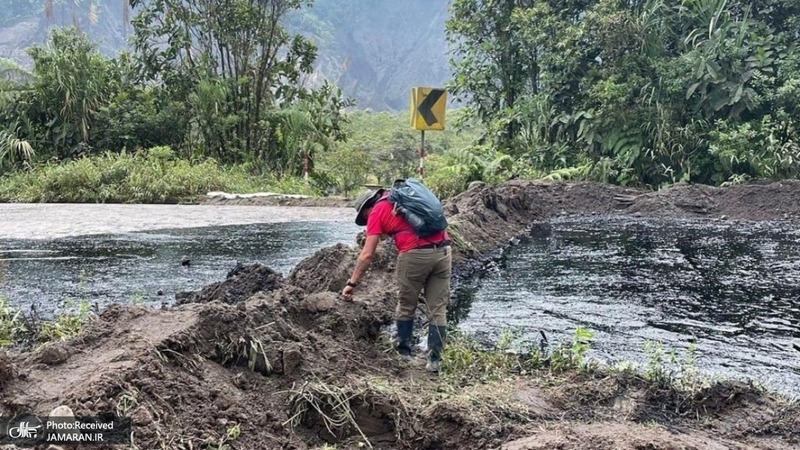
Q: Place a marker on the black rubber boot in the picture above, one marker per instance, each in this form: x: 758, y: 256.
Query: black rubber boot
x: 405, y: 333
x: 437, y: 336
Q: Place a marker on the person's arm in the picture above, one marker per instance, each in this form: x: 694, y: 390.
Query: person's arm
x: 362, y: 264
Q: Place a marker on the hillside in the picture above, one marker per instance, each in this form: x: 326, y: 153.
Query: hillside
x: 375, y: 50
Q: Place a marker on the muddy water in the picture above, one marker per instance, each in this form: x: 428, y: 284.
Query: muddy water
x: 49, y: 221
x: 134, y: 267
x: 732, y: 290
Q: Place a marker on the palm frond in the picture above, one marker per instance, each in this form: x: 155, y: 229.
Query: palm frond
x: 13, y: 149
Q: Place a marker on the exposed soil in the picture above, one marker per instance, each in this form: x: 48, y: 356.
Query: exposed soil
x: 753, y: 201
x: 276, y: 200
x: 279, y: 361
x: 241, y: 283
x: 7, y: 372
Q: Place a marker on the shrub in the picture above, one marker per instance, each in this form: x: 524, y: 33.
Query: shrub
x: 153, y: 176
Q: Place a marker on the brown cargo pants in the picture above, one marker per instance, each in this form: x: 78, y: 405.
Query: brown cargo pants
x: 428, y: 268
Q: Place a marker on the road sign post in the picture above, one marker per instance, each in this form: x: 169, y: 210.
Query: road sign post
x: 428, y: 107
x: 422, y: 157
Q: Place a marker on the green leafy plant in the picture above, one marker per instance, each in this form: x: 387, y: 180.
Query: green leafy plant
x: 66, y: 325
x: 668, y: 369
x: 455, y: 169
x: 138, y: 298
x: 466, y: 359
x: 12, y: 323
x: 232, y: 433
x: 656, y: 370
x: 14, y: 150
x: 573, y: 356
x: 71, y: 82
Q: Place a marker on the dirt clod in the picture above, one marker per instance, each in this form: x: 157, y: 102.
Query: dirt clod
x: 54, y: 354
x: 321, y: 301
x: 241, y: 283
x: 327, y: 271
x: 292, y: 358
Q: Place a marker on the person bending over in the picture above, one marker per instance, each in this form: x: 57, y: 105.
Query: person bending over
x: 422, y: 263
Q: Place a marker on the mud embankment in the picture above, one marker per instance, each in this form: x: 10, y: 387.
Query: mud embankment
x: 490, y: 216
x: 273, y: 200
x: 296, y: 367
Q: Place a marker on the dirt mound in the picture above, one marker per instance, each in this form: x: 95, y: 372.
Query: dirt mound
x: 188, y: 371
x: 258, y: 361
x: 241, y: 283
x: 760, y: 201
x: 627, y: 412
x: 751, y: 201
x: 327, y: 270
x: 616, y: 436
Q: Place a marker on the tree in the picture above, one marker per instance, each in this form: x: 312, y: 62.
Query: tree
x: 70, y: 83
x: 313, y: 126
x: 348, y: 166
x: 493, y: 67
x: 75, y: 102
x: 233, y: 59
x: 13, y: 150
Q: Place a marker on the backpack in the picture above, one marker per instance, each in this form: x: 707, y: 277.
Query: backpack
x: 419, y: 206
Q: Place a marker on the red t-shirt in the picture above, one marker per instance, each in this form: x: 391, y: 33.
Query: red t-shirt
x: 382, y: 220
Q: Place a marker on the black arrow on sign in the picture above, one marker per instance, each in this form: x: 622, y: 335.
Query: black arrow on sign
x: 426, y: 107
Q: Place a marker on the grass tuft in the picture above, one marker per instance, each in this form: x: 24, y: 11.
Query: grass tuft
x: 17, y: 328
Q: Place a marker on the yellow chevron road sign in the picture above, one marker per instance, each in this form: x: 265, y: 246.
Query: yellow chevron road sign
x: 428, y: 107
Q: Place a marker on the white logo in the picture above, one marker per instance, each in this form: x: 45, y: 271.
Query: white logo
x: 24, y: 431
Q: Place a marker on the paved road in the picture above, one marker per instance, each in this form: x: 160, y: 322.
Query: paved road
x: 48, y: 221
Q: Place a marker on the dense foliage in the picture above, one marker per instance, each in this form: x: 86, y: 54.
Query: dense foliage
x: 209, y: 79
x: 635, y: 91
x: 152, y: 176
x: 383, y: 146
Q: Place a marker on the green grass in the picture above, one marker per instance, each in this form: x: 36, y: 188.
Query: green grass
x: 154, y: 176
x: 15, y: 328
x: 467, y: 362
x: 466, y: 359
x: 65, y: 326
x: 12, y: 323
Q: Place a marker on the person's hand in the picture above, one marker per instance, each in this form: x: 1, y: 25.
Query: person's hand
x: 347, y: 293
